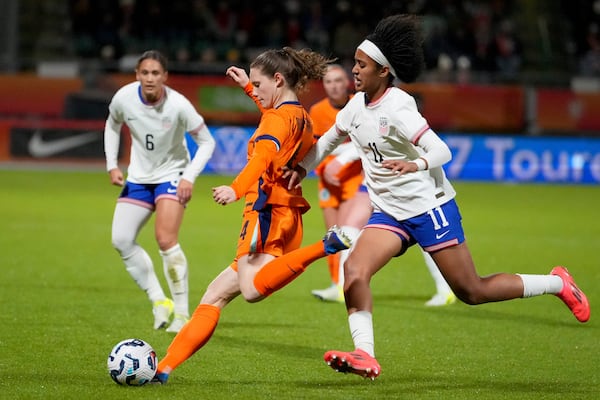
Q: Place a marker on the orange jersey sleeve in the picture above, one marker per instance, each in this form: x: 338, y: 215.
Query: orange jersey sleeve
x: 283, y: 137
x: 248, y: 90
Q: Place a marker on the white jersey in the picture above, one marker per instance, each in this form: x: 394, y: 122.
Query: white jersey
x: 389, y: 129
x: 158, y: 151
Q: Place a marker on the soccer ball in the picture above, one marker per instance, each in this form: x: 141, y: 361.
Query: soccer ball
x: 132, y: 362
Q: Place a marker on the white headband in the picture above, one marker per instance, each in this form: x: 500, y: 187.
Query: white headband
x: 370, y: 49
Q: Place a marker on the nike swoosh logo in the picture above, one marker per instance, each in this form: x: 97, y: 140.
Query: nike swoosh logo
x: 441, y: 235
x: 39, y: 147
x: 169, y: 190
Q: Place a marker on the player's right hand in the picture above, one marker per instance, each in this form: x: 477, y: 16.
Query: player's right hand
x: 224, y: 195
x: 116, y: 177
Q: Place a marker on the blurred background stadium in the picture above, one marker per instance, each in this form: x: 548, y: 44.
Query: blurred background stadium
x: 518, y: 68
x: 497, y: 41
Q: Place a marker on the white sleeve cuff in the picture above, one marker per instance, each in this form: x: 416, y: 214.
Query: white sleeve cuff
x: 437, y: 152
x: 421, y: 164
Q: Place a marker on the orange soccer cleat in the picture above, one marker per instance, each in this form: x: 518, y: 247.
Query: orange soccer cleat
x: 572, y: 296
x: 357, y: 362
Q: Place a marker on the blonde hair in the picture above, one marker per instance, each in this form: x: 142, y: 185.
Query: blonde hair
x: 296, y: 66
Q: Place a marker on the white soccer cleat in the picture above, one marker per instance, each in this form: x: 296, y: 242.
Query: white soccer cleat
x: 334, y: 293
x: 441, y: 299
x: 178, y: 322
x: 162, y: 310
x: 336, y: 240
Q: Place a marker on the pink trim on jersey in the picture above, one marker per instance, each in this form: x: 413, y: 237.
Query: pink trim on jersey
x: 420, y: 133
x: 136, y: 202
x: 443, y: 245
x: 374, y: 103
x: 389, y: 228
x: 198, y: 129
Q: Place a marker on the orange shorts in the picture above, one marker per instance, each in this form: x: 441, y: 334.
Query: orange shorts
x: 274, y: 230
x: 351, y: 178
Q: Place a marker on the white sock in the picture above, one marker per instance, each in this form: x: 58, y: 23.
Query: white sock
x: 176, y: 272
x: 536, y: 285
x: 128, y: 220
x: 139, y: 265
x: 361, y: 329
x: 441, y: 286
x: 352, y: 233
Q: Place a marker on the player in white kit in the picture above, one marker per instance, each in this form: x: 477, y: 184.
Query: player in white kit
x: 413, y: 201
x: 160, y: 178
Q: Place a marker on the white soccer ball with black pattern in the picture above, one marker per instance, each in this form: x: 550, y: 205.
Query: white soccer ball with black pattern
x: 132, y: 362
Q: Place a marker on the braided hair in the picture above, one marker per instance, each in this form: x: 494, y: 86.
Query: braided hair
x: 400, y: 39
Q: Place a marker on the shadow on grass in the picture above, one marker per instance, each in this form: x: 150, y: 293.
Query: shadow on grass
x: 295, y: 351
x: 419, y: 384
x: 480, y: 312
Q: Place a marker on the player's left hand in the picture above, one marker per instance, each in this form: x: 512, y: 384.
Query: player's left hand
x: 224, y: 195
x: 184, y: 191
x: 294, y: 176
x: 400, y: 167
x: 238, y: 75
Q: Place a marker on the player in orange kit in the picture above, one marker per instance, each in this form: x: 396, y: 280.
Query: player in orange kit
x: 268, y: 255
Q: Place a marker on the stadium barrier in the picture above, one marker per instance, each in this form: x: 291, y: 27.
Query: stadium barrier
x: 511, y: 109
x: 476, y: 157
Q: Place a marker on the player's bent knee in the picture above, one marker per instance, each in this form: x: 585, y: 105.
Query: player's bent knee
x: 250, y: 294
x: 252, y: 297
x: 124, y: 245
x: 469, y: 296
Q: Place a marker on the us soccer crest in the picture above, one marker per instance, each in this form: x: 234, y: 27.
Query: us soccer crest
x: 384, y: 126
x: 167, y: 123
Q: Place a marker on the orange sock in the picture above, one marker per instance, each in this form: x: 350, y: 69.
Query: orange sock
x: 191, y: 337
x: 282, y: 270
x: 333, y: 262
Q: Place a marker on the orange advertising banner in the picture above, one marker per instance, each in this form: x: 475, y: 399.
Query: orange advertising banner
x: 564, y: 110
x: 29, y: 95
x: 469, y: 108
x: 447, y: 107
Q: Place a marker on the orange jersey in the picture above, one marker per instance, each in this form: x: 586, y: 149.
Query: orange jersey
x: 282, y: 138
x: 323, y: 115
x: 275, y: 230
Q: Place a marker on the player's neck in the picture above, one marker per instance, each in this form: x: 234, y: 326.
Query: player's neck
x: 153, y: 100
x: 286, y: 96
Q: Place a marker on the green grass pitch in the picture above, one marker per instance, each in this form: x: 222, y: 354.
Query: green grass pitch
x: 66, y: 300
